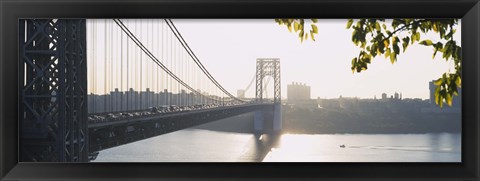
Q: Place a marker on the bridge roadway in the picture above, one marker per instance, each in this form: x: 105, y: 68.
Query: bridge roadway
x: 104, y: 135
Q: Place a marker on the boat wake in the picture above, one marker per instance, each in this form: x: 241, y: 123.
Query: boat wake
x: 405, y: 148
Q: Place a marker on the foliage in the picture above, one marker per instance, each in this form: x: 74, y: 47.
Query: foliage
x: 375, y: 38
x: 298, y: 26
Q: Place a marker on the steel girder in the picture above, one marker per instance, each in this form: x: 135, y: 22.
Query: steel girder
x: 52, y: 90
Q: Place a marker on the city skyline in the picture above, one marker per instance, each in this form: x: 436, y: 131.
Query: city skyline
x: 240, y: 91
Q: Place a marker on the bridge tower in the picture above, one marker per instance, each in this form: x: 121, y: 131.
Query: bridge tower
x: 268, y: 67
x: 53, y: 90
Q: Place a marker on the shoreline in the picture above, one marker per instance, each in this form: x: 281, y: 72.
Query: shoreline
x: 336, y: 132
x: 304, y: 121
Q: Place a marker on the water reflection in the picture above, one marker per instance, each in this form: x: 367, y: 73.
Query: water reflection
x: 194, y: 145
x: 260, y: 146
x: 367, y: 148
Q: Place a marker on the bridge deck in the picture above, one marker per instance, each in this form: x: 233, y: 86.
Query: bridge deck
x: 115, y: 133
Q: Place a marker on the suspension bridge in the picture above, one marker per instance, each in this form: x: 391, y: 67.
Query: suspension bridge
x: 90, y: 85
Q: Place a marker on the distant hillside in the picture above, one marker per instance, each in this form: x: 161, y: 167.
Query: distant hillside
x: 324, y: 121
x: 345, y: 121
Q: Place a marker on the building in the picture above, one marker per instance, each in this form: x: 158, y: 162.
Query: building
x: 298, y: 92
x: 129, y: 100
x: 457, y: 100
x: 384, y: 95
x: 395, y: 96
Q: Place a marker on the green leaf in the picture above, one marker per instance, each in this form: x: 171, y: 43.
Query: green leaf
x: 354, y: 64
x: 393, y: 58
x: 349, y: 23
x: 296, y: 26
x: 314, y: 28
x: 458, y: 81
x: 417, y: 36
x: 449, y: 99
x: 426, y: 42
x: 377, y: 26
x: 396, y: 49
x: 279, y: 21
x: 413, y: 38
x: 386, y: 43
x: 438, y: 97
x: 406, y: 40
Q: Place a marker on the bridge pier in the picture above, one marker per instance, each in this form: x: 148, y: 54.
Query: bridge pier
x: 277, y: 117
x: 268, y: 121
x: 258, y: 121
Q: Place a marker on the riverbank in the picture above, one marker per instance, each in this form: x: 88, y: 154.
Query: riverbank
x: 322, y: 121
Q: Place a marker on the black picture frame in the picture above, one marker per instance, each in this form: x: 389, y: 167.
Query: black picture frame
x: 11, y: 11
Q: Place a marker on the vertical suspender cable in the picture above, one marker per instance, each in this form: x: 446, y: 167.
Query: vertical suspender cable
x: 141, y: 67
x: 164, y: 74
x: 151, y: 86
x: 156, y: 68
x: 121, y: 71
x: 94, y: 70
x: 128, y: 75
x: 177, y: 67
x: 170, y: 62
x: 138, y: 77
x: 144, y: 71
x: 111, y: 66
x: 105, y: 68
x: 152, y: 73
x: 181, y: 74
x: 134, y: 71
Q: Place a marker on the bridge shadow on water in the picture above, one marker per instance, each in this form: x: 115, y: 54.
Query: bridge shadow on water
x: 262, y: 144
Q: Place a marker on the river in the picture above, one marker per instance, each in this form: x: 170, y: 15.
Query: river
x: 197, y: 145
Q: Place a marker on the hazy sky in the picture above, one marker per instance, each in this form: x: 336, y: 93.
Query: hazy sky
x: 229, y: 49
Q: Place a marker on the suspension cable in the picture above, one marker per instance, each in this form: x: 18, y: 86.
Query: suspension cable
x: 195, y: 58
x: 152, y: 57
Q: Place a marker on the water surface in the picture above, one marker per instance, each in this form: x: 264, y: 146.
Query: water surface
x: 196, y: 145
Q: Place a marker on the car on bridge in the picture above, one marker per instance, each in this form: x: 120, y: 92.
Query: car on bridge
x: 153, y: 109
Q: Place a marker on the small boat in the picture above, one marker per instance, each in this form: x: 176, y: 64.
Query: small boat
x: 342, y: 146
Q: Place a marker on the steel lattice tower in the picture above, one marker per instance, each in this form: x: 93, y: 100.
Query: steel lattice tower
x: 52, y: 90
x: 268, y: 67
